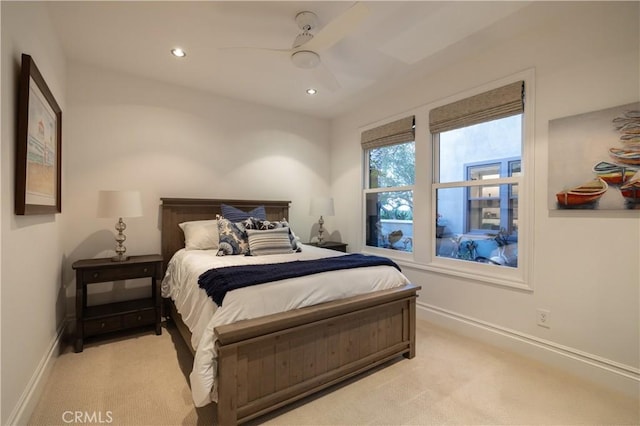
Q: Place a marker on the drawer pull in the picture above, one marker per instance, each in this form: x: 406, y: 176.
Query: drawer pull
x: 95, y: 275
x: 102, y: 324
x: 139, y: 317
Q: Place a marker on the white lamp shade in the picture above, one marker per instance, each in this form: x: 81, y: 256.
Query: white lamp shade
x: 321, y: 206
x: 119, y: 204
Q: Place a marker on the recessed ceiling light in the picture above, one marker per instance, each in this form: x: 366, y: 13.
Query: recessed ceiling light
x: 311, y: 91
x: 178, y: 52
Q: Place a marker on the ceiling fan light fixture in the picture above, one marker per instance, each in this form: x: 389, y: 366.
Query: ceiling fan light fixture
x: 305, y: 59
x: 301, y: 39
x: 306, y: 20
x: 178, y: 52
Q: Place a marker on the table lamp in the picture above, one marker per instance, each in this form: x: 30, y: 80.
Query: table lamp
x: 119, y: 204
x: 321, y: 206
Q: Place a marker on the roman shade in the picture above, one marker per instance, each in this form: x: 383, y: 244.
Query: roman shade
x: 396, y: 132
x: 497, y: 103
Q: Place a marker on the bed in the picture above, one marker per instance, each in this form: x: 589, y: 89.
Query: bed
x: 267, y: 362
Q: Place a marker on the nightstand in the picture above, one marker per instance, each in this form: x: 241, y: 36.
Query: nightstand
x: 332, y: 245
x: 98, y: 319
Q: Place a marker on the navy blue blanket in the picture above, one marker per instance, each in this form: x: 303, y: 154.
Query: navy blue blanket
x: 218, y: 281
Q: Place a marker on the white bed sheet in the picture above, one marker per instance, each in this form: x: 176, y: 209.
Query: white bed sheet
x: 202, y: 315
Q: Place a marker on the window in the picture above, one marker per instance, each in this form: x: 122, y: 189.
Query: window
x: 446, y: 189
x: 390, y: 176
x: 477, y: 162
x: 492, y: 208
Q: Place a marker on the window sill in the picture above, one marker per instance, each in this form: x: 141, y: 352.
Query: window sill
x: 483, y: 274
x: 396, y: 255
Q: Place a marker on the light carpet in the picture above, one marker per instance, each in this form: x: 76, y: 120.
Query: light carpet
x: 138, y: 378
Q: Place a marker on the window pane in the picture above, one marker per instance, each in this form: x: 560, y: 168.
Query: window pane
x: 514, y: 191
x: 477, y: 230
x: 489, y: 171
x: 514, y: 168
x: 391, y: 166
x: 449, y: 208
x: 490, y: 191
x: 484, y: 142
x: 484, y: 215
x: 512, y: 225
x: 389, y: 220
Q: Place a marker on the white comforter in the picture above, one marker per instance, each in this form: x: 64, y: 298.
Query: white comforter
x: 201, y: 314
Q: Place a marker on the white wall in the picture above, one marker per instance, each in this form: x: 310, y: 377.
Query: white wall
x: 31, y: 292
x: 585, y: 264
x: 126, y: 132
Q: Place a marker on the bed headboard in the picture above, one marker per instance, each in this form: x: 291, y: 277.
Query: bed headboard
x: 178, y: 210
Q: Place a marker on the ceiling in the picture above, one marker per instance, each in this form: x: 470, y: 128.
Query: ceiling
x: 392, y: 42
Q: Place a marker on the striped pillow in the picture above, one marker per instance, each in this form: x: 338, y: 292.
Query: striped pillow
x: 270, y: 241
x: 237, y: 215
x: 253, y: 223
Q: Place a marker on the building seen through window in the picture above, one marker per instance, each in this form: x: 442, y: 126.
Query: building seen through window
x: 471, y: 210
x: 479, y: 168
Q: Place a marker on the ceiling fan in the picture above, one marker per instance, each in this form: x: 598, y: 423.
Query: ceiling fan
x: 304, y: 50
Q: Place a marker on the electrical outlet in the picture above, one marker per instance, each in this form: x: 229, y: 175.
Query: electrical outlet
x: 544, y: 318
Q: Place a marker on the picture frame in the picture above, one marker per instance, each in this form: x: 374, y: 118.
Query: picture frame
x: 39, y: 145
x: 594, y: 160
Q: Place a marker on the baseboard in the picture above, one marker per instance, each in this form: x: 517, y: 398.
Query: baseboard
x: 610, y: 374
x: 21, y: 413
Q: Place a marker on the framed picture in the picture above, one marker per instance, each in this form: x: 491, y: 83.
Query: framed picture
x: 39, y: 145
x: 594, y: 160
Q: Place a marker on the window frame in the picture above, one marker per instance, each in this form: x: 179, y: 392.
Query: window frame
x: 514, y: 277
x: 424, y: 257
x: 368, y: 190
x: 392, y: 132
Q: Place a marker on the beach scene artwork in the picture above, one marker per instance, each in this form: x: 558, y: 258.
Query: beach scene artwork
x: 41, y: 150
x: 594, y: 160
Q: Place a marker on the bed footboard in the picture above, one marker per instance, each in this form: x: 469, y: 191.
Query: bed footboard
x: 269, y: 362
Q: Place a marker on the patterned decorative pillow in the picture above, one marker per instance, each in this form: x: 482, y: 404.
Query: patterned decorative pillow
x: 292, y: 237
x: 258, y: 224
x: 237, y: 215
x: 233, y: 238
x: 270, y: 241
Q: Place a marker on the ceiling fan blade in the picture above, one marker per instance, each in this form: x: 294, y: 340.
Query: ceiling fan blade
x: 261, y: 49
x: 325, y: 77
x: 338, y: 28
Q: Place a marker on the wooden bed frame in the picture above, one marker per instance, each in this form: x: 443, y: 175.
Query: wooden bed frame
x: 268, y: 362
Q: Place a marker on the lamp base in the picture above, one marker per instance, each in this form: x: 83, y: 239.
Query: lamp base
x: 120, y: 238
x: 320, y: 231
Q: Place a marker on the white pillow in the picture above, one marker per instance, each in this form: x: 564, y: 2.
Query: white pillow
x: 200, y: 234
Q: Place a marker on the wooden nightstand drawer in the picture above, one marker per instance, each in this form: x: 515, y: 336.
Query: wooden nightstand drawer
x: 103, y: 325
x: 114, y: 316
x: 139, y: 318
x: 114, y: 274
